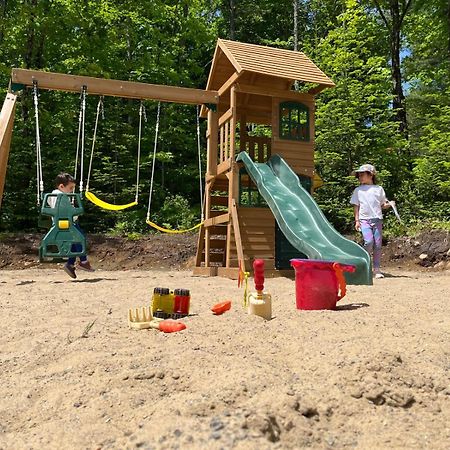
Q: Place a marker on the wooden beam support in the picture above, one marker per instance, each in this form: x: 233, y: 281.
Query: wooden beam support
x: 228, y: 272
x: 114, y: 88
x: 233, y: 187
x: 204, y: 272
x: 227, y: 115
x: 223, y: 218
x: 237, y: 234
x: 200, y: 246
x: 6, y: 129
x: 224, y: 88
x: 212, y: 142
x: 288, y: 95
x: 247, y: 96
x: 207, y: 234
x: 224, y: 167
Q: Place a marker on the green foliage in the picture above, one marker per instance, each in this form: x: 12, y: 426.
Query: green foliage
x: 428, y: 70
x: 176, y: 214
x: 354, y: 123
x: 168, y: 42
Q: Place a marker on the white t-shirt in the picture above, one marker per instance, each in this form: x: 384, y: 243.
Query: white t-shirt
x: 52, y: 201
x: 369, y: 198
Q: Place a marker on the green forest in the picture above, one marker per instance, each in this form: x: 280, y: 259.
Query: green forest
x: 389, y: 59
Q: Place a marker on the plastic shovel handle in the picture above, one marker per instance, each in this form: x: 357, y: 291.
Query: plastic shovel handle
x: 258, y: 275
x: 341, y: 280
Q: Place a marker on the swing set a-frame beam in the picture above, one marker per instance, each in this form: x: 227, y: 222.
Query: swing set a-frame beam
x: 21, y: 78
x: 114, y: 88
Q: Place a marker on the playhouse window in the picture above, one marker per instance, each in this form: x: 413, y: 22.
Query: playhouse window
x: 294, y: 121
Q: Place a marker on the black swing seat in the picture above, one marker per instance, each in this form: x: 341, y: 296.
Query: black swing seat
x: 56, y: 246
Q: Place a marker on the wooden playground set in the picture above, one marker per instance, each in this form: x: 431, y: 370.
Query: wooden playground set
x: 251, y: 105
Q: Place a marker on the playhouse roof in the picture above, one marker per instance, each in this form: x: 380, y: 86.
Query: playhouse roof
x: 262, y: 60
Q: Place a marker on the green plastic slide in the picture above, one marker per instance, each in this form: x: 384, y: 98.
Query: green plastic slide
x: 302, y: 221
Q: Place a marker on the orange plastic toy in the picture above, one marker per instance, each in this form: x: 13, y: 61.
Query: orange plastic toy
x: 220, y: 308
x: 169, y: 326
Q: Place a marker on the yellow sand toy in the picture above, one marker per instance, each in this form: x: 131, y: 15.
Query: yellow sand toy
x: 142, y: 318
x: 259, y: 302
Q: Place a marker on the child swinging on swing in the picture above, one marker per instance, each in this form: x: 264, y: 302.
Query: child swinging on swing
x: 65, y: 184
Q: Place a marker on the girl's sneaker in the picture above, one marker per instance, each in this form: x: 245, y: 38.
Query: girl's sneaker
x: 378, y: 274
x: 86, y: 265
x: 70, y: 270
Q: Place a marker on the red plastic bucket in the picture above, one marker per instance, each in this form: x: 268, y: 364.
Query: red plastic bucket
x: 319, y: 284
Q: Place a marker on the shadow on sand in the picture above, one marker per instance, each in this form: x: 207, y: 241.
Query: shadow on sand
x: 351, y: 306
x: 390, y: 275
x: 87, y: 280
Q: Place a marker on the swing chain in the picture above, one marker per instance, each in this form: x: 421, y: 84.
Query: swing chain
x: 100, y: 110
x: 142, y: 111
x: 83, y: 109
x: 39, y: 177
x: 155, y: 145
x: 141, y: 114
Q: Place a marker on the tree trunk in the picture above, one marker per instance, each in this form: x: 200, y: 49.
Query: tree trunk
x: 28, y: 57
x: 448, y: 25
x: 394, y: 26
x: 3, y: 6
x: 295, y: 5
x: 399, y: 97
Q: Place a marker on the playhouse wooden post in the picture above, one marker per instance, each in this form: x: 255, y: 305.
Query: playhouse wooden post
x: 213, y: 127
x: 211, y: 137
x: 6, y: 129
x: 232, y: 175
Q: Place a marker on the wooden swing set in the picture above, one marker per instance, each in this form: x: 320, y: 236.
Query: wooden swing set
x: 250, y: 88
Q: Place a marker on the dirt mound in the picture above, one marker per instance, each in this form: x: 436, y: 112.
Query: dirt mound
x: 114, y: 253
x: 429, y: 249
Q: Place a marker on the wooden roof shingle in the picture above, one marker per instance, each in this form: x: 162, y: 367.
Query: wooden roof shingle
x: 269, y: 61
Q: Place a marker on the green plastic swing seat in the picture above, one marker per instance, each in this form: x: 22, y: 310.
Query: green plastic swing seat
x: 56, y: 246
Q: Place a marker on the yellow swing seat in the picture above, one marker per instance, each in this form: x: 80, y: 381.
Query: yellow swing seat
x: 109, y: 206
x: 166, y: 230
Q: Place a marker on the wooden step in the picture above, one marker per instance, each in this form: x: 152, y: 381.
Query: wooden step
x: 220, y: 230
x: 220, y: 185
x: 219, y: 200
x: 269, y: 264
x: 216, y: 257
x: 217, y: 244
x: 214, y: 213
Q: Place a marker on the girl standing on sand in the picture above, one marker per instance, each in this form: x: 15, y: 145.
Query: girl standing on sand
x: 368, y: 200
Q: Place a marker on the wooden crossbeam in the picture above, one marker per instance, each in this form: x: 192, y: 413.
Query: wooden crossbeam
x: 223, y: 218
x: 115, y: 88
x: 256, y: 90
x: 227, y: 85
x: 237, y: 233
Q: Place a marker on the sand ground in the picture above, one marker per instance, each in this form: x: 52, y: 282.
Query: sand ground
x: 373, y: 374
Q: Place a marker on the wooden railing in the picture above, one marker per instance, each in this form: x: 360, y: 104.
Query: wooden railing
x: 225, y: 144
x: 259, y: 148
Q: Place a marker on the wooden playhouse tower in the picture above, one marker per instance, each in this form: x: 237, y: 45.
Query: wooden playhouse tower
x: 259, y: 112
